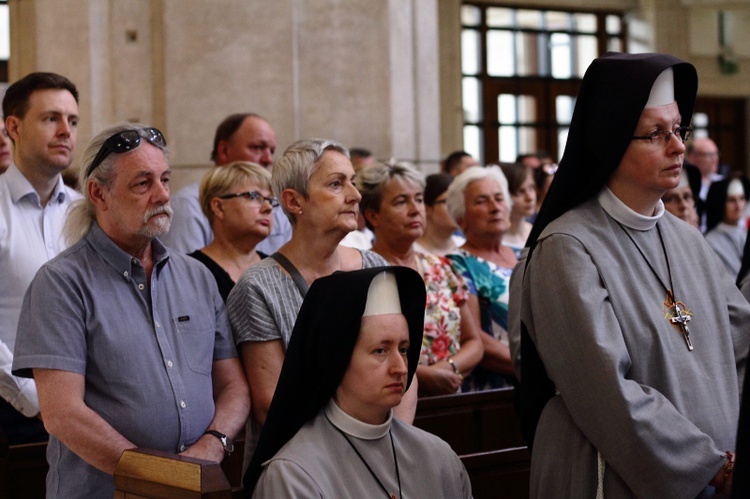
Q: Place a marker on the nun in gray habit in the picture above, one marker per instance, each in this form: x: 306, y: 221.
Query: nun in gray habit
x: 634, y: 339
x: 330, y: 431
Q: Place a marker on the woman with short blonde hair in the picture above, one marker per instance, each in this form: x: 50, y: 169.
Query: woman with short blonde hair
x: 237, y: 202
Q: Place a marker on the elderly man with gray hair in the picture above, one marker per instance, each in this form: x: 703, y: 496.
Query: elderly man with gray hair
x: 133, y: 348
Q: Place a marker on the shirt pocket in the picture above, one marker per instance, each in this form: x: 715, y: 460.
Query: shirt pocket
x: 195, y: 336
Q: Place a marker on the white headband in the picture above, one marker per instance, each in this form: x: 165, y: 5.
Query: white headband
x: 735, y: 188
x: 382, y: 296
x: 662, y: 92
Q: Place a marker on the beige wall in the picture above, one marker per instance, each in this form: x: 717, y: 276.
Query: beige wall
x: 383, y: 74
x: 359, y: 71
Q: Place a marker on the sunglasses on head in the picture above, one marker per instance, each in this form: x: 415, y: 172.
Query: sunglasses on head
x: 126, y: 141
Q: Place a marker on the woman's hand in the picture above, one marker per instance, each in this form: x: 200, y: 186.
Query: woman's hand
x: 438, y: 379
x: 724, y: 478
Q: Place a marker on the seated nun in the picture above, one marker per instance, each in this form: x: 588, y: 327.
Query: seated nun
x: 330, y: 430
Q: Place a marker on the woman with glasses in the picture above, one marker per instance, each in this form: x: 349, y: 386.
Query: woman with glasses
x: 634, y: 338
x: 680, y: 201
x: 313, y: 181
x: 237, y: 202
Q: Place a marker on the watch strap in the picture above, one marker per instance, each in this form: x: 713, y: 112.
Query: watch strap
x: 226, y: 442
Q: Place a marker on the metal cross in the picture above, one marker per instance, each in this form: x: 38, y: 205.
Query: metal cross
x: 681, y: 318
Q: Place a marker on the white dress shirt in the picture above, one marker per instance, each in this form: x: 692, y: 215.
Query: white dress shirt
x: 30, y: 235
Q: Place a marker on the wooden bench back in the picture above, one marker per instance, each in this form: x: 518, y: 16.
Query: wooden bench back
x: 472, y: 422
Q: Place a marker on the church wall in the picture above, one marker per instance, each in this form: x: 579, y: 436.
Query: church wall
x: 361, y: 72
x: 378, y: 74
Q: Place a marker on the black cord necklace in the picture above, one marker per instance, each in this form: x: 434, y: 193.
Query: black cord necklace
x: 677, y: 312
x: 395, y: 462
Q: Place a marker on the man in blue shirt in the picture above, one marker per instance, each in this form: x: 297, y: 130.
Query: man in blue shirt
x: 133, y: 348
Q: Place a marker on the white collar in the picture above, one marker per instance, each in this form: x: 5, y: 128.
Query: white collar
x: 622, y: 213
x: 353, y: 426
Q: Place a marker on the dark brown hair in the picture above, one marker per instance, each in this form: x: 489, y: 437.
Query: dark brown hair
x: 16, y: 100
x: 227, y: 128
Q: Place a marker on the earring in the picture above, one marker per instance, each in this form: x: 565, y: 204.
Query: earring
x: 300, y: 212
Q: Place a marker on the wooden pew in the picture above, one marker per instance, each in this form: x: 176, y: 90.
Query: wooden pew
x: 154, y: 474
x: 23, y: 469
x: 481, y: 427
x: 472, y: 422
x: 499, y: 474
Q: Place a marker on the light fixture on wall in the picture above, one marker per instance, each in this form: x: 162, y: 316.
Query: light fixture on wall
x: 727, y: 60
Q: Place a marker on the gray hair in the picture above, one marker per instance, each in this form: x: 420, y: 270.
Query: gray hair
x: 371, y: 182
x: 456, y: 201
x: 295, y: 167
x: 81, y: 214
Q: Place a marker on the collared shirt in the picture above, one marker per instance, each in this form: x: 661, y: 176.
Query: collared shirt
x: 30, y: 234
x: 192, y: 231
x: 146, y: 348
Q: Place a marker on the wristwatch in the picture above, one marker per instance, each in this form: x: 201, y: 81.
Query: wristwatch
x: 226, y: 442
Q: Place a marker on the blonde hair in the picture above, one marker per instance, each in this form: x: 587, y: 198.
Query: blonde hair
x: 221, y: 179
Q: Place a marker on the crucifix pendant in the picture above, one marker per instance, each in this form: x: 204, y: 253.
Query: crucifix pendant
x: 679, y: 316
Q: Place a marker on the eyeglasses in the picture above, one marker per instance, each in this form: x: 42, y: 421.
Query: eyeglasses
x: 663, y: 136
x: 124, y: 142
x: 255, y: 197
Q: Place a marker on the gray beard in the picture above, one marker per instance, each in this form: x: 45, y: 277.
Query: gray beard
x: 155, y: 227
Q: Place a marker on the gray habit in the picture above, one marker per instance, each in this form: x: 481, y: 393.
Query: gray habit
x: 318, y: 462
x: 728, y: 241
x: 661, y: 415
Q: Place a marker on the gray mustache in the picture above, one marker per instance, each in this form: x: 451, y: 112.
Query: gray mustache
x: 165, y: 208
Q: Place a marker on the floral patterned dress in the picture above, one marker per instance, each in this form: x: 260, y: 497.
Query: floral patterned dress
x: 491, y: 284
x: 446, y: 292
